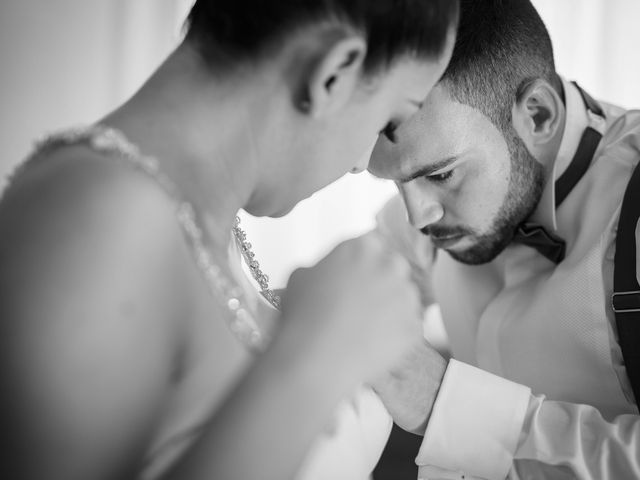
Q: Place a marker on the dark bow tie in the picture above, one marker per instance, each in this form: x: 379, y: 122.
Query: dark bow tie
x: 533, y: 235
x: 548, y: 244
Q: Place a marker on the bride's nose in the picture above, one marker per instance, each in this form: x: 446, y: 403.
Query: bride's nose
x: 363, y: 161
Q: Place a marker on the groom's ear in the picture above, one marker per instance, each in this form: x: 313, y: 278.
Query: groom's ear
x: 332, y: 78
x: 537, y: 115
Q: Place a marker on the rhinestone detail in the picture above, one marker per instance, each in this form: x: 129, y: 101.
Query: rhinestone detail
x: 263, y: 280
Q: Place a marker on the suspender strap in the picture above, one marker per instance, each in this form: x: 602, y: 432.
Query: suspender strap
x: 588, y: 100
x: 548, y: 243
x: 626, y: 297
x: 585, y: 152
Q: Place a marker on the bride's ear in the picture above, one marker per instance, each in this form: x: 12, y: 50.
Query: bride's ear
x: 331, y: 80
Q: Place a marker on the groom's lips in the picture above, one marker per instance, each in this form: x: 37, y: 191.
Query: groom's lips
x: 446, y: 241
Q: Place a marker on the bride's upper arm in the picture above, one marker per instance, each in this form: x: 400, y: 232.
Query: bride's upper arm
x: 88, y: 329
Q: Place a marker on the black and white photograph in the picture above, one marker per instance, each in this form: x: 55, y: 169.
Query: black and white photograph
x: 320, y: 239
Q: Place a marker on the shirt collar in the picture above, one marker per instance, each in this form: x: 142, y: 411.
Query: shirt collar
x: 576, y: 120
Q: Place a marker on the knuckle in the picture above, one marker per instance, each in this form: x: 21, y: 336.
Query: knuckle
x: 349, y: 249
x: 298, y: 277
x: 400, y: 265
x: 373, y: 241
x: 298, y: 272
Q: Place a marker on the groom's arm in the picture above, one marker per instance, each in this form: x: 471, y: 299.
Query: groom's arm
x: 409, y: 391
x: 392, y: 224
x: 470, y: 419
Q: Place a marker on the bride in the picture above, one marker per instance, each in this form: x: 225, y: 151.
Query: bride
x: 130, y: 345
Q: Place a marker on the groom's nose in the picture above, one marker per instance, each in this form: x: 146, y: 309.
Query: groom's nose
x: 423, y: 206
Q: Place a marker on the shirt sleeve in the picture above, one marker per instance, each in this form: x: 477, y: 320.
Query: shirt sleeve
x: 486, y: 427
x: 474, y: 427
x: 577, y: 440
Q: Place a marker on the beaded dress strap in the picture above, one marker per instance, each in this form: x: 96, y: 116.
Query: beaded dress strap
x: 109, y: 141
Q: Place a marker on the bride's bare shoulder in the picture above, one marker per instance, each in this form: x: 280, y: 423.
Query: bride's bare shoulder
x: 75, y: 187
x: 58, y: 178
x: 89, y: 287
x: 76, y: 213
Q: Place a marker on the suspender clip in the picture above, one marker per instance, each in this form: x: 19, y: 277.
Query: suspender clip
x: 626, y: 302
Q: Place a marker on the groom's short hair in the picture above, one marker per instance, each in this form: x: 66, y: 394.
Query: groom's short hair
x: 501, y: 46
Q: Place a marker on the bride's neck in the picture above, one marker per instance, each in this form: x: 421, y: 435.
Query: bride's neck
x: 202, y: 134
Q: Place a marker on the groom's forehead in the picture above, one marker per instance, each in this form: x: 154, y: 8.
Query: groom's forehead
x: 399, y: 161
x: 420, y: 145
x: 443, y: 128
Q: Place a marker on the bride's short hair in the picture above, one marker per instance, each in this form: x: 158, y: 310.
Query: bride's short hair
x: 226, y: 32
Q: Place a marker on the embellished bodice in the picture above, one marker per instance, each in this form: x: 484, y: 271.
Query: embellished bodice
x: 191, y: 402
x: 114, y: 144
x: 361, y: 426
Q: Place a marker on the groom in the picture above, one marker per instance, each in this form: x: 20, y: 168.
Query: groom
x: 512, y: 179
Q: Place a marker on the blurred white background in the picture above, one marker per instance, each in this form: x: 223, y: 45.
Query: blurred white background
x: 67, y: 62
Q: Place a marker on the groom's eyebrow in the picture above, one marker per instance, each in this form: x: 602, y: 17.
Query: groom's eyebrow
x: 427, y: 170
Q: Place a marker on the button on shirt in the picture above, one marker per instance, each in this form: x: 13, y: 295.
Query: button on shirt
x: 538, y: 387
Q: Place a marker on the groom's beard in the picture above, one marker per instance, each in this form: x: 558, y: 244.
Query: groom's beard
x: 526, y: 182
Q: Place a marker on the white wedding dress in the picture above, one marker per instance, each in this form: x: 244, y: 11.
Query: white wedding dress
x: 348, y: 450
x: 353, y: 443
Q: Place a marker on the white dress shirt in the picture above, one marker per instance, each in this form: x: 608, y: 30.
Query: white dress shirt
x: 550, y: 397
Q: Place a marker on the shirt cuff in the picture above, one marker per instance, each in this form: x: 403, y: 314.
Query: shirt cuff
x: 475, y: 424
